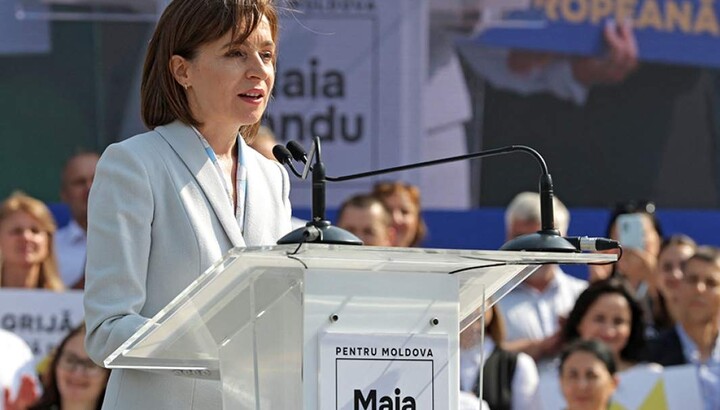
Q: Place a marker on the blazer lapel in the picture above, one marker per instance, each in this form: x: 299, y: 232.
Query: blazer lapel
x: 188, y: 147
x: 257, y: 201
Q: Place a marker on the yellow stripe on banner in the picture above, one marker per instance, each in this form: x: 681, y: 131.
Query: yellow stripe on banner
x: 657, y: 399
x: 616, y: 406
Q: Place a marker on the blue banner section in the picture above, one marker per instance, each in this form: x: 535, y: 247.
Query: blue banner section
x: 667, y: 31
x: 484, y: 228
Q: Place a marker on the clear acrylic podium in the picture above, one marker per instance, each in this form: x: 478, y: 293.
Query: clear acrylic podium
x: 258, y: 320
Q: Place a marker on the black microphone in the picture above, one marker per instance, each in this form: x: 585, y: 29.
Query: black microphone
x: 584, y: 243
x: 319, y: 229
x: 297, y: 151
x: 283, y: 156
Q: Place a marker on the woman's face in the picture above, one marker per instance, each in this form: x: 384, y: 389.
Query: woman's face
x: 78, y: 378
x: 608, y: 319
x: 230, y: 83
x: 699, y: 293
x: 669, y: 268
x: 23, y: 241
x: 586, y: 383
x: 405, y: 217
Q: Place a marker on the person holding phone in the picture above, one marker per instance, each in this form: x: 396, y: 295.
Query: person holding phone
x: 637, y: 228
x: 635, y: 225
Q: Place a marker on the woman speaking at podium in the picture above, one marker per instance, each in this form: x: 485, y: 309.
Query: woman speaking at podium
x: 167, y: 204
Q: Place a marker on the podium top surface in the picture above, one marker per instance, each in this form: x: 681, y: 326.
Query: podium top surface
x: 183, y: 333
x: 433, y: 260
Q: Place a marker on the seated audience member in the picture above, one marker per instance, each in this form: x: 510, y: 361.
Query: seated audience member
x: 71, y: 239
x: 26, y: 244
x: 608, y: 311
x: 264, y: 142
x: 74, y: 381
x: 510, y: 380
x: 17, y: 375
x: 366, y: 217
x: 587, y: 375
x: 695, y: 338
x: 535, y: 309
x: 403, y: 201
x: 674, y: 251
x: 605, y: 311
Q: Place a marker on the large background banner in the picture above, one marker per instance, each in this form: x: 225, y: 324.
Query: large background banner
x: 350, y: 72
x: 670, y: 31
x: 42, y: 318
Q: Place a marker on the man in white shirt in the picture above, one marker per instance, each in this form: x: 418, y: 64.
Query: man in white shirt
x: 70, y: 240
x: 535, y: 309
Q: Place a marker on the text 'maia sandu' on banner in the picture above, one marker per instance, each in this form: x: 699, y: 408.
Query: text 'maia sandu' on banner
x: 349, y: 72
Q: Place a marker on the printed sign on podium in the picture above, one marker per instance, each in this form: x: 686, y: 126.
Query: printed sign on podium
x: 394, y: 371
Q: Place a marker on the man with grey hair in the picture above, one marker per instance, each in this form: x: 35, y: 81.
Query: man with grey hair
x: 535, y: 309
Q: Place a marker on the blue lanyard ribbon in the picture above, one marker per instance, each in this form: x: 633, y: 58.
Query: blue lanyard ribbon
x: 241, y: 178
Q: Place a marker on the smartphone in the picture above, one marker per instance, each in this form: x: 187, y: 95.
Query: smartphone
x: 631, y: 231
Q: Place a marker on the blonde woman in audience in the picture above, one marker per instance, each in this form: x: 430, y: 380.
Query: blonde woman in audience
x: 587, y: 375
x: 26, y: 245
x: 403, y: 201
x: 74, y: 382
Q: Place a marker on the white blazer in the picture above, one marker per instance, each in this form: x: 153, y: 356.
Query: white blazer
x: 158, y: 217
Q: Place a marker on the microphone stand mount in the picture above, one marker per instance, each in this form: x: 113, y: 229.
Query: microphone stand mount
x: 319, y: 229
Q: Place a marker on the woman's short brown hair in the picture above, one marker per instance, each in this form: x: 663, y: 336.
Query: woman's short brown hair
x: 19, y: 202
x: 184, y: 26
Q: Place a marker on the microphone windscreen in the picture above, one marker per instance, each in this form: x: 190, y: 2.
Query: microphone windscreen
x: 281, y: 154
x: 297, y: 151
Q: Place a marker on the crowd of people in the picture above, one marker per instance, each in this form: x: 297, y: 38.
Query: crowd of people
x: 198, y: 190
x: 658, y: 306
x: 38, y: 255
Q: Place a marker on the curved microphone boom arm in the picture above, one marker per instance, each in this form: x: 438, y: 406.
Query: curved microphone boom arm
x: 548, y: 239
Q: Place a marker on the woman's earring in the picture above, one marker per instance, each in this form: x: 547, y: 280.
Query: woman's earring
x: 186, y: 86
